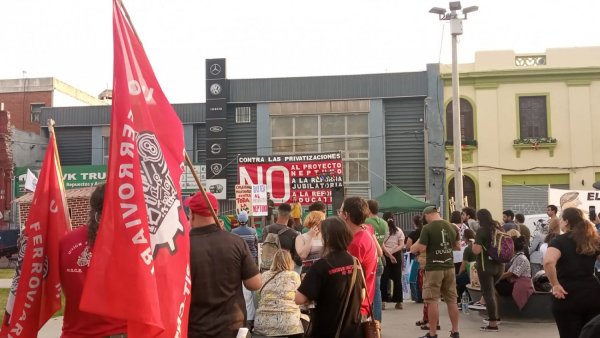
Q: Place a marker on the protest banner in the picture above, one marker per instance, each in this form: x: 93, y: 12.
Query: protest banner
x: 35, y: 293
x: 308, y: 177
x: 142, y: 243
x: 243, y: 199
x: 586, y: 200
x: 259, y: 200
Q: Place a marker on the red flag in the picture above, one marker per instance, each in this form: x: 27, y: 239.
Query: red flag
x: 37, y: 281
x: 140, y: 263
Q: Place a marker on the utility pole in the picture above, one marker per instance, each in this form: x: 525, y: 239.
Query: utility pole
x: 455, y: 30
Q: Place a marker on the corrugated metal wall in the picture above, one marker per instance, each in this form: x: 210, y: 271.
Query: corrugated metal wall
x: 100, y: 115
x: 527, y: 199
x: 241, y: 139
x: 200, y: 143
x: 404, y: 144
x: 74, y: 145
x: 328, y: 87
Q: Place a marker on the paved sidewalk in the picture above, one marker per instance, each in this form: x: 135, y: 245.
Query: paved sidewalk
x: 400, y: 324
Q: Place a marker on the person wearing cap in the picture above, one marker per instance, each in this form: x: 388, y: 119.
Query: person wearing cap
x: 220, y: 263
x: 248, y: 234
x: 438, y: 239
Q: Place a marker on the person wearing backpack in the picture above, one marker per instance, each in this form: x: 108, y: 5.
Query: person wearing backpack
x: 488, y: 269
x: 279, y: 236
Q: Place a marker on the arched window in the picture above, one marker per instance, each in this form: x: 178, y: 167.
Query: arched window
x: 466, y: 121
x: 469, y: 190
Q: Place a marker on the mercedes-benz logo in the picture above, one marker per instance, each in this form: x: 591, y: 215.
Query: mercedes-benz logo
x: 216, y: 168
x: 215, y: 69
x: 215, y: 148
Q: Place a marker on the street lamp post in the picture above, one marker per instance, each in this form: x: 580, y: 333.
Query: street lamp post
x: 455, y: 31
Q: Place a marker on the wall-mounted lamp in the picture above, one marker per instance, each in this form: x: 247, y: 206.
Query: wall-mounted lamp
x: 582, y: 182
x: 490, y: 184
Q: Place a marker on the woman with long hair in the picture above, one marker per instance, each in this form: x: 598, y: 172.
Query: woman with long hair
x: 328, y: 284
x: 516, y: 281
x: 309, y: 245
x: 489, y: 271
x: 569, y: 265
x: 277, y: 313
x: 75, y: 250
x: 394, y: 243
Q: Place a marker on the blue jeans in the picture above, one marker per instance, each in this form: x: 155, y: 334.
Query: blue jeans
x: 377, y: 299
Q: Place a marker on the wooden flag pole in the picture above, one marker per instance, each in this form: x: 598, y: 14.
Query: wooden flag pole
x: 51, y: 124
x: 191, y: 165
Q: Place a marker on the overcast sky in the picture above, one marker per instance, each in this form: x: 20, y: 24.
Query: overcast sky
x: 72, y: 39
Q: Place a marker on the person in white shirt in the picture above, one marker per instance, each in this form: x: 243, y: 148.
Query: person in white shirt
x: 394, y: 243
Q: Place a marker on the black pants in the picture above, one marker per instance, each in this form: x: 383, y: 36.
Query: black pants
x: 462, y: 280
x: 581, y: 304
x: 487, y: 279
x: 393, y: 272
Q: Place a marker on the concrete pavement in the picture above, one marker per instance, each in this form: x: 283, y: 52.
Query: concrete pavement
x: 400, y: 324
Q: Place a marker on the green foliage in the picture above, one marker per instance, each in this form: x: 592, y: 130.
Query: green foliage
x: 535, y: 140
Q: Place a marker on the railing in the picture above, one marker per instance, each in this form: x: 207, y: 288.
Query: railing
x: 530, y: 60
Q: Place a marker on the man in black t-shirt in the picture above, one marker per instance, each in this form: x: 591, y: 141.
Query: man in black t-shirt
x: 287, y: 239
x: 219, y: 262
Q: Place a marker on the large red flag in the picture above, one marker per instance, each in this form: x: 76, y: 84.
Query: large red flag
x: 140, y: 263
x: 35, y: 295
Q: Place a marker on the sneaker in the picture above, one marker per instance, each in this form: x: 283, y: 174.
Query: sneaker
x: 488, y: 328
x: 428, y: 336
x: 477, y: 306
x: 398, y: 306
x: 382, y: 306
x: 487, y: 321
x: 454, y: 334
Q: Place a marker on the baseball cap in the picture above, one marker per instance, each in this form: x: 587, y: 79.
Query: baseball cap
x: 430, y: 210
x: 243, y: 217
x: 197, y: 203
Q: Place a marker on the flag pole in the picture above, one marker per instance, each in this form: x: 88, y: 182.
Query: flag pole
x: 212, y: 211
x: 51, y: 124
x: 122, y: 6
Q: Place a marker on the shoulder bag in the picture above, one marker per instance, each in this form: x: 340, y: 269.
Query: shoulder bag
x: 267, y: 282
x: 355, y: 268
x: 370, y: 328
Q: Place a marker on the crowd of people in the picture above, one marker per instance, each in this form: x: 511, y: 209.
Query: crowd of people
x: 333, y: 276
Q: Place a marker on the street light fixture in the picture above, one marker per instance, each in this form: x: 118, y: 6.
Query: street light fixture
x: 455, y: 30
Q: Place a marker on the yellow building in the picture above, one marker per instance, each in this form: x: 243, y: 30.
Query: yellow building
x: 529, y: 121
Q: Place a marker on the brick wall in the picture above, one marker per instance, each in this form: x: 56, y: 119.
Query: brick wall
x: 80, y: 209
x: 19, y: 106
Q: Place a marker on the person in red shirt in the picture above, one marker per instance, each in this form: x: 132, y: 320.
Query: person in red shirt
x: 75, y: 254
x: 354, y: 211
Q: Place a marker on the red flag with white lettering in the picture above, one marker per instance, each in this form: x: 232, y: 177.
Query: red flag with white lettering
x: 35, y: 295
x: 140, y: 262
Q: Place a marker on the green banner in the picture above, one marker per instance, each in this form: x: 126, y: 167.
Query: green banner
x: 75, y: 176
x: 82, y: 176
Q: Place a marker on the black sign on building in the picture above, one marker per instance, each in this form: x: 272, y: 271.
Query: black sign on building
x: 216, y: 119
